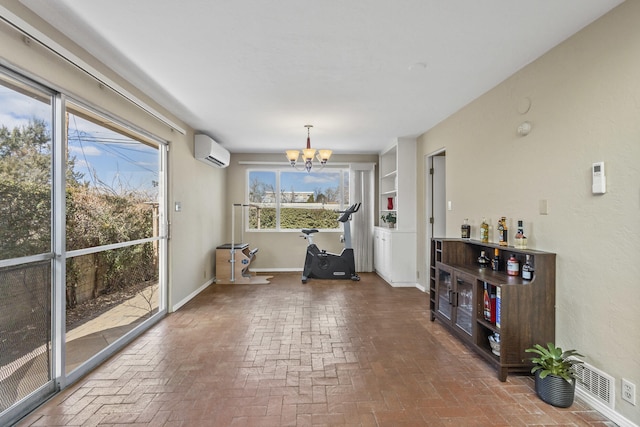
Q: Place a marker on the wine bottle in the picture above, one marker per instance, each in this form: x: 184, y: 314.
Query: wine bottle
x: 495, y: 262
x: 527, y: 269
x: 483, y: 260
x: 484, y: 231
x: 502, y: 231
x: 513, y: 266
x: 465, y: 229
x: 487, y: 303
x: 520, y: 238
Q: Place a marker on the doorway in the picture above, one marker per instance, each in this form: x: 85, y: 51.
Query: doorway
x: 435, y: 197
x: 438, y: 195
x: 82, y: 239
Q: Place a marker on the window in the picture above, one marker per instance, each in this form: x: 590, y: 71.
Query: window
x: 292, y: 200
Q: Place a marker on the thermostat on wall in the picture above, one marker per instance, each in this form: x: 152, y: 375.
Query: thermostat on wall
x: 598, y: 180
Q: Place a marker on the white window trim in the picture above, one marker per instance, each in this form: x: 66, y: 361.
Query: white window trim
x: 278, y: 168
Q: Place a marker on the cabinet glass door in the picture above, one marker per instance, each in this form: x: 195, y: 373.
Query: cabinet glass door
x: 464, y: 303
x: 445, y: 293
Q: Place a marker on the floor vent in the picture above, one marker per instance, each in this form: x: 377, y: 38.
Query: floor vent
x: 596, y: 384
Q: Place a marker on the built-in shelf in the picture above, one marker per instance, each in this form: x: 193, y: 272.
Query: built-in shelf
x: 395, y: 248
x: 391, y: 174
x: 397, y: 181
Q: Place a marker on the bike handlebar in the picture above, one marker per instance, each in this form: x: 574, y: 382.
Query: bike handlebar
x: 347, y: 213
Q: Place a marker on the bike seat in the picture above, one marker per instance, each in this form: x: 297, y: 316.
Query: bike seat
x: 308, y: 231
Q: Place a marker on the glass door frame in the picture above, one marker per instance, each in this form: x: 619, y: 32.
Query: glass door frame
x: 444, y: 291
x: 41, y: 393
x: 66, y: 378
x: 464, y: 318
x: 58, y: 255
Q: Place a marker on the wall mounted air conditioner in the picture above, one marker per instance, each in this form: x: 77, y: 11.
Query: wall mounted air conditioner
x: 208, y: 151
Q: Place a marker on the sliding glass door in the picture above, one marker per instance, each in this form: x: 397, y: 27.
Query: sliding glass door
x: 26, y: 245
x: 113, y: 222
x: 82, y: 239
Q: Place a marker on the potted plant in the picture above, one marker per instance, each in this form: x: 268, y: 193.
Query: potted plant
x: 555, y: 374
x: 389, y: 218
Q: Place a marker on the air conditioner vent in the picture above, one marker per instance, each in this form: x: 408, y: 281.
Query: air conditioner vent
x: 596, y: 384
x: 216, y: 161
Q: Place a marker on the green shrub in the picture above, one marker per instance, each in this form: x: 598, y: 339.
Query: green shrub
x: 293, y: 218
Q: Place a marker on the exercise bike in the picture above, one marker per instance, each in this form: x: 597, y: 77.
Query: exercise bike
x: 319, y: 264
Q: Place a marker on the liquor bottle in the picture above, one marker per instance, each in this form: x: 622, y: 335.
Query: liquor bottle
x: 527, y: 269
x: 465, y: 229
x: 502, y: 231
x: 483, y: 260
x: 484, y: 231
x: 520, y: 238
x: 486, y: 303
x: 495, y: 262
x: 513, y: 266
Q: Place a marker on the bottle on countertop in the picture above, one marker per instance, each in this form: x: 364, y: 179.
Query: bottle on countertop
x: 465, y: 229
x: 484, y: 231
x: 483, y: 260
x: 495, y: 262
x: 513, y: 266
x: 527, y: 269
x: 520, y: 238
x: 502, y: 231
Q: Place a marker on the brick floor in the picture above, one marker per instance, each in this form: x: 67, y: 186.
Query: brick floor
x: 328, y: 353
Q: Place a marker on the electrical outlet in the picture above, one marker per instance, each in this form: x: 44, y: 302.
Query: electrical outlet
x: 629, y: 391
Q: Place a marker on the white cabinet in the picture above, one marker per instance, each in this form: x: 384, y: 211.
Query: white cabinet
x: 381, y: 262
x: 395, y: 256
x: 395, y: 248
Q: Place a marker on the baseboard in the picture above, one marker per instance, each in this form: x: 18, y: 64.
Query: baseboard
x: 605, y: 410
x: 192, y: 295
x: 276, y: 270
x: 402, y: 284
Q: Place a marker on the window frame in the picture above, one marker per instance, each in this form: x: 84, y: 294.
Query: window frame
x: 343, y: 170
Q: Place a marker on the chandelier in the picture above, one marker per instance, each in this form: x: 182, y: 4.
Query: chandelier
x: 308, y: 154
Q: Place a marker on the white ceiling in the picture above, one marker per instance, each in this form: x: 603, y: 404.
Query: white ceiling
x: 252, y: 73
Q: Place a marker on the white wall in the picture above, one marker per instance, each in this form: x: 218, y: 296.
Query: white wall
x: 201, y: 224
x: 585, y: 107
x: 201, y: 189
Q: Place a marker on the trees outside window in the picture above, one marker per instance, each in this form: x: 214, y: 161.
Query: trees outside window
x: 81, y: 230
x: 292, y: 200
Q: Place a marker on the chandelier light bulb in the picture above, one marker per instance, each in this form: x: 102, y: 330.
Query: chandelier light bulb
x: 308, y: 154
